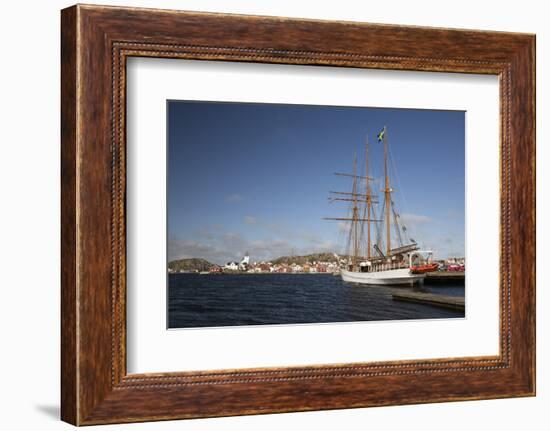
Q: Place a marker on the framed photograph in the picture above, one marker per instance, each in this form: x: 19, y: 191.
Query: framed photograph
x: 264, y: 215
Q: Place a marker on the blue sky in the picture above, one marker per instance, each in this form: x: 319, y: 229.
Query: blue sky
x: 255, y: 177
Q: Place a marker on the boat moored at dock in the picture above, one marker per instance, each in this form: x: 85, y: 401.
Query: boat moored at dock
x: 395, y: 277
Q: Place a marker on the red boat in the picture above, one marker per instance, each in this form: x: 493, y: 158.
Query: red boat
x: 422, y: 269
x: 456, y: 267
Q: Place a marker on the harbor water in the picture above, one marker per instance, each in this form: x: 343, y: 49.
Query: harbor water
x: 214, y: 300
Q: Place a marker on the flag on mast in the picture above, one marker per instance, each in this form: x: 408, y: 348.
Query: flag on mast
x: 380, y: 135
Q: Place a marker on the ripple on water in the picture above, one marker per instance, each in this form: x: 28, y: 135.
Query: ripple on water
x: 259, y: 299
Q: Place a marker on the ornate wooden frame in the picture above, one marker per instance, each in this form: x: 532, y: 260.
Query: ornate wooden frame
x: 95, y: 43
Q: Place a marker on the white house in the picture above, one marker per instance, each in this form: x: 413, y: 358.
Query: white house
x: 232, y: 266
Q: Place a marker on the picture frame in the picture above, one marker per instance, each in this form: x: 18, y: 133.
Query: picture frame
x: 96, y: 42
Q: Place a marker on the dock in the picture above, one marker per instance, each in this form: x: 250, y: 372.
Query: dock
x: 445, y: 301
x: 443, y: 277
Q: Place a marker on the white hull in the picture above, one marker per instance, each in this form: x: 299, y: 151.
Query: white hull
x: 400, y: 276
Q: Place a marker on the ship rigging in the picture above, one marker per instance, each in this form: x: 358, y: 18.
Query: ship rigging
x: 380, y: 264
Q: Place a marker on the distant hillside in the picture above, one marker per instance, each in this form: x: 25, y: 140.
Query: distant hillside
x: 194, y: 264
x: 300, y: 260
x: 198, y: 264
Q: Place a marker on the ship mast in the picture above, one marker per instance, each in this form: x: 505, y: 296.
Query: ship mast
x: 357, y: 197
x: 355, y: 215
x: 369, y: 200
x: 387, y: 193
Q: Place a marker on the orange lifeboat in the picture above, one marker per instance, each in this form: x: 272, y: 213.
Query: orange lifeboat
x: 422, y: 269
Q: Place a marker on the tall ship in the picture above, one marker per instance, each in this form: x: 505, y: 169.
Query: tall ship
x: 375, y: 256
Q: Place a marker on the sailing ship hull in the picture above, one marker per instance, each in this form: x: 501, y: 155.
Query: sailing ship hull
x: 392, y: 277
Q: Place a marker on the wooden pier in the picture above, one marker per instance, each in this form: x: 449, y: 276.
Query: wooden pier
x: 445, y: 301
x: 445, y: 277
